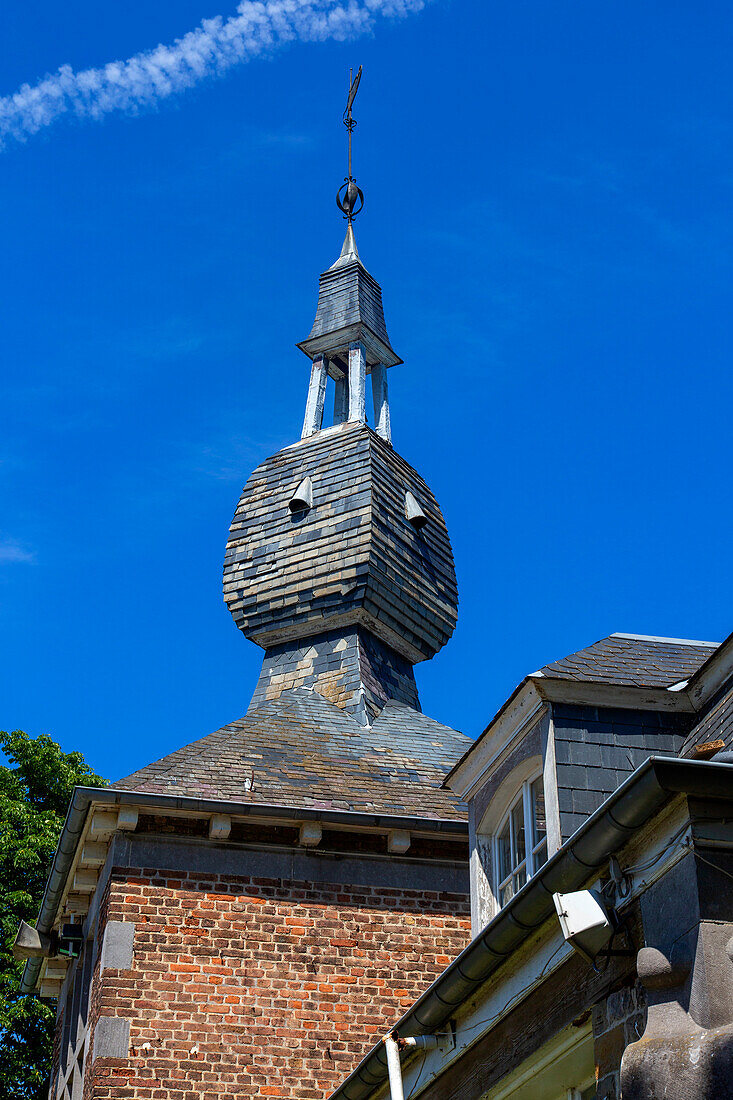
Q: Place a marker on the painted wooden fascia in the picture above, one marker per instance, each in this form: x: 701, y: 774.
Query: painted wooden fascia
x: 510, y: 723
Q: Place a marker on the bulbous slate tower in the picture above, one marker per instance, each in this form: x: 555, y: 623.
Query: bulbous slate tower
x: 338, y: 561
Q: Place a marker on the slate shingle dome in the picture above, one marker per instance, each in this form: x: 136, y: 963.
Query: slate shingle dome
x: 353, y: 557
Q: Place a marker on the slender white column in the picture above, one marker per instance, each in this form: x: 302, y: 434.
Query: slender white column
x: 316, y: 397
x: 357, y: 383
x: 380, y: 397
x: 340, y: 401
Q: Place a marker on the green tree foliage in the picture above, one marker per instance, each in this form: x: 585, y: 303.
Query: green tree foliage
x: 34, y: 795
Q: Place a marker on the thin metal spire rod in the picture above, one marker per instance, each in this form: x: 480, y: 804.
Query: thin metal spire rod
x: 352, y: 194
x: 350, y: 123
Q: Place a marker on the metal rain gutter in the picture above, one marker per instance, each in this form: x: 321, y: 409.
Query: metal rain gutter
x: 84, y: 797
x: 607, y: 830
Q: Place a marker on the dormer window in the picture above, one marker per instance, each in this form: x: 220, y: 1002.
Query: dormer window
x: 520, y: 843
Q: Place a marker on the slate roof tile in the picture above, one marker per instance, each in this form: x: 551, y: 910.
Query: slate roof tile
x: 632, y: 660
x: 305, y: 752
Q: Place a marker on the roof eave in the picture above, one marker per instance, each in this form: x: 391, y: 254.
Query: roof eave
x: 331, y: 343
x: 599, y: 694
x: 84, y: 798
x: 522, y: 706
x: 712, y: 675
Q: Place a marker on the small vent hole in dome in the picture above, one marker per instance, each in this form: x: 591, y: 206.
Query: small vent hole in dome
x: 414, y: 512
x: 302, y: 498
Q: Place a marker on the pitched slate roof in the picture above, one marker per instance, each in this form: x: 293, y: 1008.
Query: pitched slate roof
x: 300, y: 750
x: 635, y: 660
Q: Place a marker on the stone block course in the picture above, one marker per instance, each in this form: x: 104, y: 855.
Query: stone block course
x: 618, y: 1020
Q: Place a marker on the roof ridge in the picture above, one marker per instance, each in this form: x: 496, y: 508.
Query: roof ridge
x: 657, y: 638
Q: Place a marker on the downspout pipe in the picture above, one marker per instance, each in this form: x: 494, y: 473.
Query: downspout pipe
x: 393, y: 1045
x: 394, y: 1069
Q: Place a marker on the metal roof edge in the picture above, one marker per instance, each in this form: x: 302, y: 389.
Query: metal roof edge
x: 712, y: 674
x: 637, y: 800
x: 659, y: 638
x: 84, y: 797
x: 276, y: 809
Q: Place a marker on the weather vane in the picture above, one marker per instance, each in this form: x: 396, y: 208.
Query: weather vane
x: 349, y: 194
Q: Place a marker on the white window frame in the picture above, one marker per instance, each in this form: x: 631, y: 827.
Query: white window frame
x: 532, y: 846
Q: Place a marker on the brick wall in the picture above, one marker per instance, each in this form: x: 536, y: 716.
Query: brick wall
x: 252, y: 987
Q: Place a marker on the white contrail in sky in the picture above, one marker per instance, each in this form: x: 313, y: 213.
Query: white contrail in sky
x: 217, y: 44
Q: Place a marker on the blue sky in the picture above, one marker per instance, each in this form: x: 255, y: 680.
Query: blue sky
x: 548, y: 210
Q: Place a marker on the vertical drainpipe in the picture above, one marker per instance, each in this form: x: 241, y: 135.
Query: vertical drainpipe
x: 392, y: 1045
x: 393, y: 1067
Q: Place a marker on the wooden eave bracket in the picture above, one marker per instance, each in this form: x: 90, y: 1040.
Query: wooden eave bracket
x: 310, y: 835
x: 398, y: 841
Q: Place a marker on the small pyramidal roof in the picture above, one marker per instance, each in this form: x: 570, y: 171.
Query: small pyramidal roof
x: 349, y: 310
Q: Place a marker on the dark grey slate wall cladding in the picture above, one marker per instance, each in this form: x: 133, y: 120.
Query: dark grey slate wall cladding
x: 716, y: 724
x: 349, y: 667
x: 596, y: 748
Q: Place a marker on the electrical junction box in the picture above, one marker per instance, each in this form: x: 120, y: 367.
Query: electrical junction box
x: 584, y: 920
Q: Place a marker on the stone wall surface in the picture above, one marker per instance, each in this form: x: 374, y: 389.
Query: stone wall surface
x: 618, y: 1020
x: 255, y: 987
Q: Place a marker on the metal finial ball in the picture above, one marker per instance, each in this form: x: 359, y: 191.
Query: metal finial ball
x: 349, y: 195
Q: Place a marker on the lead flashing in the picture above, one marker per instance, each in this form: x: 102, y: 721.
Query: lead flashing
x: 669, y: 641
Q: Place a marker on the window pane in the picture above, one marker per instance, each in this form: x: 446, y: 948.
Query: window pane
x: 506, y: 894
x: 520, y: 878
x: 518, y: 830
x: 540, y: 856
x: 538, y: 810
x: 505, y: 855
